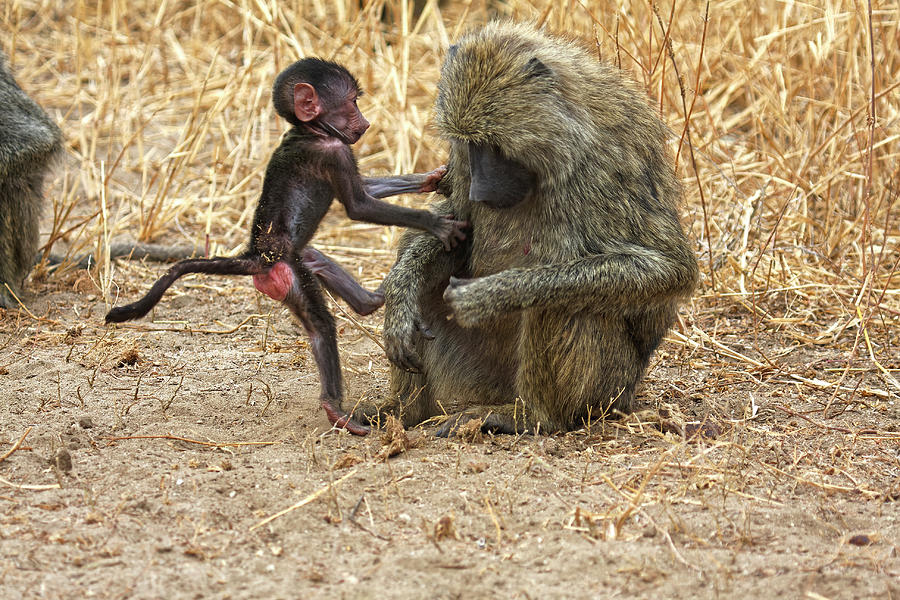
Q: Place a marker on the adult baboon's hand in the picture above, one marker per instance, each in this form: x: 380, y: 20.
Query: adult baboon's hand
x: 402, y: 326
x: 474, y: 301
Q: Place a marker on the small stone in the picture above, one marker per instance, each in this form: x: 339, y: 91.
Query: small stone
x: 476, y: 466
x: 861, y: 540
x: 63, y: 460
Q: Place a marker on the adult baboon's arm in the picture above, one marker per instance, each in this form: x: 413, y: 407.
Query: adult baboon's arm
x: 422, y: 267
x: 631, y: 279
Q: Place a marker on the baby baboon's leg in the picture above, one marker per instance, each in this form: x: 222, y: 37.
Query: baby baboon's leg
x: 305, y: 300
x: 340, y: 283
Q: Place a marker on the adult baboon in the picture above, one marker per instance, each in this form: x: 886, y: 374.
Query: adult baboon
x: 549, y: 312
x: 29, y: 141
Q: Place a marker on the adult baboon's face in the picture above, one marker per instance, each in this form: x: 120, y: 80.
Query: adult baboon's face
x: 497, y: 181
x: 499, y: 106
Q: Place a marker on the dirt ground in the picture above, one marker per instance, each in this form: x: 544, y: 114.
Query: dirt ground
x: 185, y: 456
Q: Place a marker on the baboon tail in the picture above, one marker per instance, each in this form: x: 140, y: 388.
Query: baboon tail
x: 214, y: 266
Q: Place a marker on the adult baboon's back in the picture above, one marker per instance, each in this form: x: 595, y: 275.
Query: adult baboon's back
x: 576, y: 259
x: 29, y: 141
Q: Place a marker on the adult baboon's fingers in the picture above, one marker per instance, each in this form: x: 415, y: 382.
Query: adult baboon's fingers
x: 446, y: 429
x: 402, y: 356
x: 496, y: 423
x: 452, y: 424
x: 411, y: 362
x: 424, y: 330
x: 490, y: 423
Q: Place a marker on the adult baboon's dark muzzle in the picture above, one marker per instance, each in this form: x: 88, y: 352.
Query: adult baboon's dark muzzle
x: 497, y: 181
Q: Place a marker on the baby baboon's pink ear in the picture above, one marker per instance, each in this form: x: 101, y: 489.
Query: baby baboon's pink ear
x: 306, y: 102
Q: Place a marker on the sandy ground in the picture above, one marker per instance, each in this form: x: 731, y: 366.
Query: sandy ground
x: 185, y: 456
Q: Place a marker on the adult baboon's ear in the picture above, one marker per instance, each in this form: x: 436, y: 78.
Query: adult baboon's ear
x: 306, y: 102
x: 452, y: 50
x: 535, y: 68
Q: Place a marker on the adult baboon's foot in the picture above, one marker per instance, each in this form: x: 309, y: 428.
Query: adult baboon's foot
x: 374, y: 412
x: 499, y: 419
x: 6, y: 300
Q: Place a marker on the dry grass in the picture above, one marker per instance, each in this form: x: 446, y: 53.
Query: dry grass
x: 785, y: 119
x: 789, y: 150
x: 794, y: 131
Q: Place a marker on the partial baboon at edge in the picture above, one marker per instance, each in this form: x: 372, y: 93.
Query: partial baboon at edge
x: 29, y: 142
x: 549, y: 312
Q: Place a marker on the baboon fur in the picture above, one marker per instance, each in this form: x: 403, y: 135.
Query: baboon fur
x: 29, y: 142
x: 573, y: 288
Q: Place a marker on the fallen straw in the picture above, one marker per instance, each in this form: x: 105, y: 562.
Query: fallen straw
x: 303, y: 502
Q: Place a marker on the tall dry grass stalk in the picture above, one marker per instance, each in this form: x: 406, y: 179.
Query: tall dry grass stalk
x: 784, y: 119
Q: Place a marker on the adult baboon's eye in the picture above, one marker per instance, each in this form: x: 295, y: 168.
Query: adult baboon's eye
x: 535, y: 68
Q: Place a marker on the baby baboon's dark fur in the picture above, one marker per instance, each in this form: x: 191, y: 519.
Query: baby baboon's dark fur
x: 576, y: 260
x: 29, y: 141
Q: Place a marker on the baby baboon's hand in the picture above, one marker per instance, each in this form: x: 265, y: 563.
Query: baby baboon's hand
x: 450, y: 231
x: 433, y: 178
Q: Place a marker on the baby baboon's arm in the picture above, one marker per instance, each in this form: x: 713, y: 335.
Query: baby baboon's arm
x: 382, y: 187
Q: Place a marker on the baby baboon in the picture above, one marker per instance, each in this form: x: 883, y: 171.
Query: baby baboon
x: 312, y: 166
x: 29, y: 141
x: 547, y: 315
